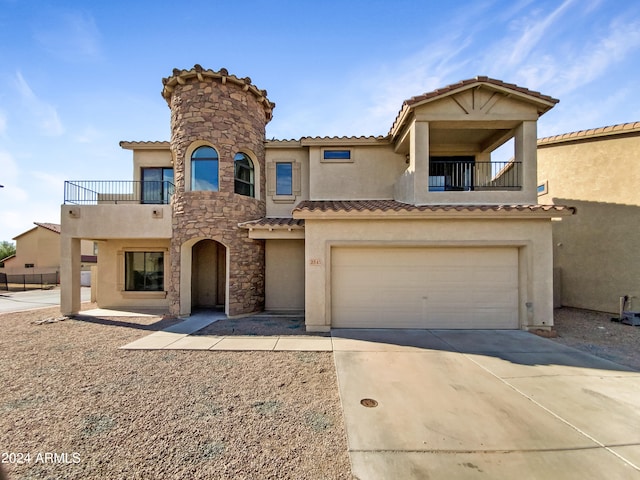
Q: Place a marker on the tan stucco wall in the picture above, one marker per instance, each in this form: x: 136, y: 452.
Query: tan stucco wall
x: 150, y: 158
x: 40, y: 247
x: 116, y: 221
x: 596, y: 250
x: 284, y: 275
x: 532, y: 237
x: 110, y: 284
x: 282, y: 206
x: 371, y: 174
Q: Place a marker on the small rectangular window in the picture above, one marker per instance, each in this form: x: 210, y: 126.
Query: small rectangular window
x: 542, y: 188
x: 29, y: 265
x: 284, y: 178
x: 336, y: 155
x: 144, y: 271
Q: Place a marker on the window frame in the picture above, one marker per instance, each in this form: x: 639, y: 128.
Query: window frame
x: 164, y: 191
x: 290, y: 190
x: 337, y: 155
x: 238, y: 157
x: 159, y: 283
x: 195, y: 160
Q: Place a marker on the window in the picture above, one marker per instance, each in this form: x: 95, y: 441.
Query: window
x: 243, y: 181
x: 284, y: 178
x: 29, y: 265
x: 144, y: 271
x: 336, y: 155
x: 543, y: 188
x: 204, y: 169
x: 157, y: 185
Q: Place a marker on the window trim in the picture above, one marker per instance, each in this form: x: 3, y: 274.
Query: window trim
x: 191, y: 169
x: 252, y: 182
x: 289, y: 192
x: 542, y: 188
x: 336, y: 151
x: 143, y: 251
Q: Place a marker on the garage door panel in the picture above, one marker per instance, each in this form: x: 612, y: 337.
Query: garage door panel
x: 425, y: 287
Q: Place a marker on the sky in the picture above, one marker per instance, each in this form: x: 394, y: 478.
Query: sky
x: 78, y: 77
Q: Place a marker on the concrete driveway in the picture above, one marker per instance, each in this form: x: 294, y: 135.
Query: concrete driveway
x: 484, y: 404
x: 19, y: 301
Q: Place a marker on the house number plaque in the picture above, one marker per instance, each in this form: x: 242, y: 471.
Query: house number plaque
x: 315, y: 261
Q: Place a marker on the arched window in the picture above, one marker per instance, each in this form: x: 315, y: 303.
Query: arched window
x: 244, y: 183
x: 204, y: 169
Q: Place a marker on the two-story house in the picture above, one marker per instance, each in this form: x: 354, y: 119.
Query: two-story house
x: 420, y: 228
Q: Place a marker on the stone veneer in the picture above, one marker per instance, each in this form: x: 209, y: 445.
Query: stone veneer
x: 230, y: 115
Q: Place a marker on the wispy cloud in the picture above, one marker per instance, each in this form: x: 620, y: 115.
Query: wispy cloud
x: 45, y: 115
x: 70, y: 36
x: 3, y: 123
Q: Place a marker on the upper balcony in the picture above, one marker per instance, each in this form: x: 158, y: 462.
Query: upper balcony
x: 95, y: 192
x: 104, y: 209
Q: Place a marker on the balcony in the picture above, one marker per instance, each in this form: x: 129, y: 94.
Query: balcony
x: 470, y: 175
x: 98, y: 192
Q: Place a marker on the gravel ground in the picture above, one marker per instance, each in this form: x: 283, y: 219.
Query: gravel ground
x: 68, y: 389
x: 595, y: 333
x: 108, y: 413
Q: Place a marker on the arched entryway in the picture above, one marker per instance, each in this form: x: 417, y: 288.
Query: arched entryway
x: 208, y: 275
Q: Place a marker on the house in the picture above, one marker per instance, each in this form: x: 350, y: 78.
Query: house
x: 596, y: 252
x: 38, y: 252
x: 420, y: 228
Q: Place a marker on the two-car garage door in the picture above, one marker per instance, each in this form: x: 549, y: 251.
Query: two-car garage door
x: 407, y: 287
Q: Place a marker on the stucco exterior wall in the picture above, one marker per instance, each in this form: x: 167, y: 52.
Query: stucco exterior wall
x: 150, y: 158
x: 370, y: 174
x: 596, y: 250
x: 111, y: 279
x: 284, y: 275
x: 532, y: 237
x: 279, y: 206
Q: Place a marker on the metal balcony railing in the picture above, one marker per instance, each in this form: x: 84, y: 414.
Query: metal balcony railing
x: 471, y: 175
x: 94, y: 192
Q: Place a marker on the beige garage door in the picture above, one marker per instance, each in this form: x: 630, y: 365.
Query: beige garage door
x: 424, y: 287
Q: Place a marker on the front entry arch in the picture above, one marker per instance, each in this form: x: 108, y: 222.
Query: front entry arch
x: 208, y: 275
x: 203, y: 275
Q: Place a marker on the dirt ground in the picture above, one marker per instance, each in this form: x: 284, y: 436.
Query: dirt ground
x: 74, y: 406
x: 595, y: 333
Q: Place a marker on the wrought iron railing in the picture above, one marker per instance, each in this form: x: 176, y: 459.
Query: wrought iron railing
x: 470, y: 175
x: 94, y: 192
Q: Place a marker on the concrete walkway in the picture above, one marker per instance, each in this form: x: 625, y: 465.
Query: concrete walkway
x: 474, y: 404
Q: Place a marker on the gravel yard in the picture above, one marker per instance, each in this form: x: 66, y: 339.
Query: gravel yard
x: 68, y: 389
x: 108, y: 413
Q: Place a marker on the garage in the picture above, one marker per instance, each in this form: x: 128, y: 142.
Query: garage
x: 424, y: 287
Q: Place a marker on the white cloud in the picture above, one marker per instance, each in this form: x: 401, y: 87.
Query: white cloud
x: 45, y: 115
x: 3, y: 123
x: 8, y: 169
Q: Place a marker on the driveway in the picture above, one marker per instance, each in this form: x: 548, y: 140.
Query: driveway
x: 19, y: 301
x: 484, y: 404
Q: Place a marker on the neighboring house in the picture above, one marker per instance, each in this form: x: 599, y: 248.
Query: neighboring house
x: 38, y: 251
x: 419, y: 228
x: 596, y: 252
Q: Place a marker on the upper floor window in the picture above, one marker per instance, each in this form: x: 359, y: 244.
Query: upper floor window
x: 243, y: 181
x: 336, y: 155
x: 284, y: 178
x: 204, y: 169
x: 157, y: 185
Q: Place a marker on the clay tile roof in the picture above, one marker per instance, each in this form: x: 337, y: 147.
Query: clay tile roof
x: 181, y: 76
x: 54, y: 227
x: 619, y: 129
x: 440, y: 92
x: 385, y: 206
x: 144, y: 145
x: 274, y: 223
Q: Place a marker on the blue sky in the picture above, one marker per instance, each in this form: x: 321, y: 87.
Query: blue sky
x: 77, y: 77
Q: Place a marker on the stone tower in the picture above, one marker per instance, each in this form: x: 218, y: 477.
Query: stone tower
x: 212, y: 260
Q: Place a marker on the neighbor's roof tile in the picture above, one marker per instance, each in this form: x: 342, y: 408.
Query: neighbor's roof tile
x: 619, y: 129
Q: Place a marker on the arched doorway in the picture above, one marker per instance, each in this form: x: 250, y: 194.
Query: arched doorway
x: 208, y: 275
